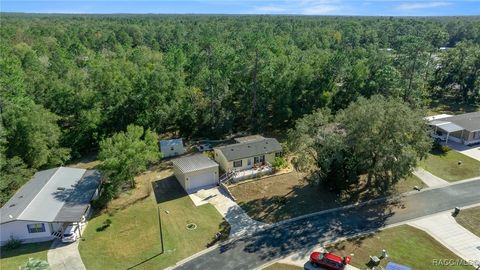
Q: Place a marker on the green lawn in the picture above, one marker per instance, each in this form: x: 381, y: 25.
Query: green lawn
x: 12, y: 259
x: 447, y: 167
x: 404, y: 244
x: 470, y: 219
x: 133, y: 239
x: 282, y: 266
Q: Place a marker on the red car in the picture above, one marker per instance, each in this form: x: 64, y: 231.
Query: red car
x: 329, y: 260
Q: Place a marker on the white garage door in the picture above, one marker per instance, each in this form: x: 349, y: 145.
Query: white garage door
x: 200, y: 181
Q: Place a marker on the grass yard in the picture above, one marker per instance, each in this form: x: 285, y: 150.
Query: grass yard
x: 282, y: 266
x: 470, y: 219
x: 404, y: 244
x: 286, y: 196
x: 13, y: 259
x: 447, y: 167
x: 133, y: 239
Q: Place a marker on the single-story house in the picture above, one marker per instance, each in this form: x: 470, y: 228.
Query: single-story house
x: 53, y: 199
x: 247, y: 152
x: 171, y: 148
x: 195, y: 172
x: 462, y: 128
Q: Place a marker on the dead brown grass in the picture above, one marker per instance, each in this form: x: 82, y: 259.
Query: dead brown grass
x: 288, y: 195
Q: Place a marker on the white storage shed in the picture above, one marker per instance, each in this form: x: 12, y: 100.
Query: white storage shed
x: 171, y: 148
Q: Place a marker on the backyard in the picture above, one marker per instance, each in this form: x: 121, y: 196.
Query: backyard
x: 133, y: 238
x: 404, y: 244
x: 451, y: 166
x: 13, y: 259
x: 470, y: 219
x: 286, y: 196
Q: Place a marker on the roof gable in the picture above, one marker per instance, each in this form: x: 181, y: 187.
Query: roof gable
x: 250, y: 148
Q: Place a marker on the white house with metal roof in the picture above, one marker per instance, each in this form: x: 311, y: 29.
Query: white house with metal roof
x: 463, y: 128
x: 53, y: 199
x: 248, y: 152
x: 195, y: 172
x: 172, y: 148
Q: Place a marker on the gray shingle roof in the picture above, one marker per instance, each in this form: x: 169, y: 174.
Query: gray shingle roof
x: 58, y: 194
x: 468, y: 121
x: 250, y: 149
x: 193, y: 163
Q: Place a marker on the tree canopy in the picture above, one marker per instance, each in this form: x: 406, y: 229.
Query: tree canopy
x: 382, y: 138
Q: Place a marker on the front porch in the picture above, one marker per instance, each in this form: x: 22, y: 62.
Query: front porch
x: 256, y: 171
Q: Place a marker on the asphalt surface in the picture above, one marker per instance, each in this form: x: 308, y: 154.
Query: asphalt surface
x: 301, y: 235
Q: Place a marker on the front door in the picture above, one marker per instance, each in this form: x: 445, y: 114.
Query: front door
x: 259, y: 159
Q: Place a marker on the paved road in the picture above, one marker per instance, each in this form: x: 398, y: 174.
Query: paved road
x: 256, y: 250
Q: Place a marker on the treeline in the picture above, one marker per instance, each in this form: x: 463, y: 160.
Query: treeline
x: 69, y: 81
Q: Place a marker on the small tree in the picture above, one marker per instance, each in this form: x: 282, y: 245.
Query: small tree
x: 35, y: 264
x: 125, y: 155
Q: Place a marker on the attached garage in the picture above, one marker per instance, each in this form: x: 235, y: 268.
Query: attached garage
x: 195, y: 172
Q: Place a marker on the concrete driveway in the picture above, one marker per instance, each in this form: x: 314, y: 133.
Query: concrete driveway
x: 471, y: 151
x: 63, y: 256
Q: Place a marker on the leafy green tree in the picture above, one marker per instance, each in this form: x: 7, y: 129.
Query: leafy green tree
x: 33, y: 134
x: 386, y: 137
x: 377, y: 137
x: 125, y: 155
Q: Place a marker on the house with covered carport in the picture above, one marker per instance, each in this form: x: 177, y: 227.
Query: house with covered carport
x: 52, y: 200
x: 463, y: 128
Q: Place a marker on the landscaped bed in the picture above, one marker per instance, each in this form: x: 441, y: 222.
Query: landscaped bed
x: 451, y: 166
x: 404, y: 244
x: 286, y: 196
x: 470, y: 219
x: 133, y: 237
x: 13, y: 259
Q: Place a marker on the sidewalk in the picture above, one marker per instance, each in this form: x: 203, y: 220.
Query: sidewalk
x: 429, y: 179
x: 449, y: 233
x: 240, y: 222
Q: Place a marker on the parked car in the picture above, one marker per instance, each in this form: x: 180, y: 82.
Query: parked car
x: 329, y: 261
x: 70, y: 234
x: 204, y: 147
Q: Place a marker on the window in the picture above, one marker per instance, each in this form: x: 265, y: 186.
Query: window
x: 237, y: 163
x: 171, y: 148
x: 258, y: 159
x: 36, y: 228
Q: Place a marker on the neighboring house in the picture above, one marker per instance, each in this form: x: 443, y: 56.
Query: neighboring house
x: 171, y: 148
x: 463, y: 128
x: 247, y: 153
x: 195, y: 172
x: 53, y: 199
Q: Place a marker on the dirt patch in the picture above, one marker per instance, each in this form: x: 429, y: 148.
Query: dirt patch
x: 282, y: 197
x: 288, y: 195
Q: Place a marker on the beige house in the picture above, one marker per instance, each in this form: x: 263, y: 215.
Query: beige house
x: 248, y: 152
x: 463, y: 128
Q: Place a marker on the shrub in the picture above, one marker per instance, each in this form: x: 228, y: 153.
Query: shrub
x: 279, y: 163
x: 13, y: 243
x: 438, y: 148
x: 35, y: 264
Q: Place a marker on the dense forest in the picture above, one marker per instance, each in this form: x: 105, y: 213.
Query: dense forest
x: 67, y: 82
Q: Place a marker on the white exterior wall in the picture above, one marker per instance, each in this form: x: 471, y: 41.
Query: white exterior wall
x: 167, y: 151
x: 220, y: 159
x: 180, y: 177
x: 18, y: 230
